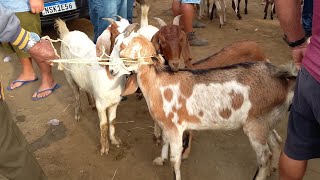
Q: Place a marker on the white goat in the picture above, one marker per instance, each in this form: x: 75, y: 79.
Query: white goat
x: 93, y: 79
x: 221, y: 7
x: 218, y: 7
x: 145, y: 29
x: 253, y: 96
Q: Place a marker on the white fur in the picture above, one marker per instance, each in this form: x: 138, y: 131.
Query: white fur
x: 92, y: 79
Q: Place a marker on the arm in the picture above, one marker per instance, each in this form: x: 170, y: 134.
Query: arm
x: 9, y: 26
x: 289, y: 15
x: 11, y: 31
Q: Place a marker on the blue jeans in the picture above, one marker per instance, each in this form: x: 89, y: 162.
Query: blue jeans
x: 99, y: 9
x: 303, y: 135
x: 307, y: 16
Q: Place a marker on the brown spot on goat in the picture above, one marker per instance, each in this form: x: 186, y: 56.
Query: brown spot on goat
x: 168, y: 94
x: 183, y: 113
x: 225, y: 113
x: 237, y: 100
x: 201, y: 114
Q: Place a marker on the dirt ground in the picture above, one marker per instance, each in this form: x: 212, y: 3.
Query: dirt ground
x: 71, y: 149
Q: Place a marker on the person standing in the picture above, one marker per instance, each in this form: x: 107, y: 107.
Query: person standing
x: 303, y: 135
x: 16, y: 161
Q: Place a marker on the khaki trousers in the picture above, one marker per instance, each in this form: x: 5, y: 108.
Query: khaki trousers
x: 16, y: 161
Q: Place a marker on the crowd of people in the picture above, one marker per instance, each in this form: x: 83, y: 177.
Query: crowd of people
x: 20, y: 28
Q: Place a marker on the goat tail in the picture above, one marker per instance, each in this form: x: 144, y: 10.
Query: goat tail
x: 144, y: 15
x: 61, y: 26
x: 286, y: 71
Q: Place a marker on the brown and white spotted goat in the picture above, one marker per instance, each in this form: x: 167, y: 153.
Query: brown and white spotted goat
x: 253, y: 96
x: 170, y: 41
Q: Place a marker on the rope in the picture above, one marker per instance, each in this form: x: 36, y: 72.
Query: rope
x: 97, y: 60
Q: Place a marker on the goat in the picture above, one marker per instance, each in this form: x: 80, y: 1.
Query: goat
x: 273, y: 11
x: 167, y: 42
x: 221, y: 7
x: 236, y: 7
x: 218, y: 6
x: 93, y: 79
x: 253, y: 96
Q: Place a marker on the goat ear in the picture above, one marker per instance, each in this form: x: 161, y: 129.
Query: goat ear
x: 155, y: 41
x: 131, y: 85
x: 185, y: 50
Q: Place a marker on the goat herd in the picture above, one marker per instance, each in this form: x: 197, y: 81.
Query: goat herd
x: 219, y: 7
x: 235, y: 88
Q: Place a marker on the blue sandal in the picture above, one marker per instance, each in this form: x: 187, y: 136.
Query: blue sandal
x: 24, y: 82
x: 55, y: 87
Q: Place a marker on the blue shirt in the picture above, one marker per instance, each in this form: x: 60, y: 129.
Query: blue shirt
x: 16, y: 5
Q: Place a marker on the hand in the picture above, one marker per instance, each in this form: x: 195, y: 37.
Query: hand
x: 298, y: 54
x: 43, y: 51
x: 36, y: 6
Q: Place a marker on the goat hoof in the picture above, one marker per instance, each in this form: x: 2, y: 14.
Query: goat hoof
x: 116, y: 141
x: 104, y: 151
x: 220, y: 26
x: 77, y: 118
x: 158, y: 161
x: 264, y: 17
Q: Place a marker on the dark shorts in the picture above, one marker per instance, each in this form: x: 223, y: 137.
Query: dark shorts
x: 303, y: 136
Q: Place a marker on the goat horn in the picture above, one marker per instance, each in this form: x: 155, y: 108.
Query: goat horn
x: 160, y: 21
x: 129, y: 29
x: 119, y: 17
x: 109, y: 19
x: 176, y: 20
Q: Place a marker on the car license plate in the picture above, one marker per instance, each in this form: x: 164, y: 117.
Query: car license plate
x: 58, y: 6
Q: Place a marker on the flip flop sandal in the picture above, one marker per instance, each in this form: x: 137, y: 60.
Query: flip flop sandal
x: 24, y: 82
x: 55, y: 87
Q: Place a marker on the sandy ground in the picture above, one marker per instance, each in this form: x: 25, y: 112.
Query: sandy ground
x: 71, y: 149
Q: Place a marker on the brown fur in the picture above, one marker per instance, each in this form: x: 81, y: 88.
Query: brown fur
x: 238, y: 52
x: 237, y: 100
x: 172, y: 42
x: 225, y: 113
x: 168, y: 94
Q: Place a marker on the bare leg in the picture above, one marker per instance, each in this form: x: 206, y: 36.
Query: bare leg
x: 27, y: 72
x: 176, y: 7
x: 47, y: 80
x: 291, y: 169
x: 188, y: 12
